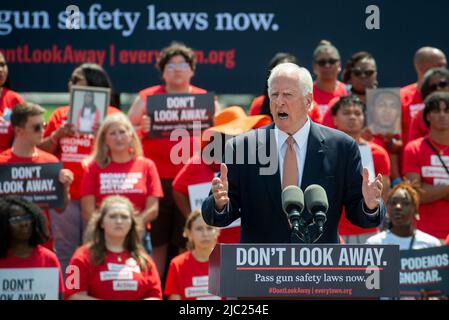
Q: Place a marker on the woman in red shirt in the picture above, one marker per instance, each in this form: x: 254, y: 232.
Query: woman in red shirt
x: 71, y: 148
x: 176, y: 64
x: 8, y: 100
x: 23, y: 230
x: 326, y: 66
x: 188, y: 274
x: 117, y: 167
x: 113, y: 264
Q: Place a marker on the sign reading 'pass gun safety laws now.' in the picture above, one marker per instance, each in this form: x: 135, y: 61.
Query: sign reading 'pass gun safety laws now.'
x: 38, y: 183
x: 179, y: 111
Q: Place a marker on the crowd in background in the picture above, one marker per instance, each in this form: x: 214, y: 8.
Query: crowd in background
x: 148, y: 230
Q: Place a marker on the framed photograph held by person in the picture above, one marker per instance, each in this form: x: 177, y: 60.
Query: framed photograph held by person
x: 383, y: 107
x: 88, y: 107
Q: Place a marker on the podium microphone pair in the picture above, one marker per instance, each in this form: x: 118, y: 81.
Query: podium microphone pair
x: 315, y: 199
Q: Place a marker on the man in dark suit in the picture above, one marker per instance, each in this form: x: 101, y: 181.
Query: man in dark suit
x: 302, y: 153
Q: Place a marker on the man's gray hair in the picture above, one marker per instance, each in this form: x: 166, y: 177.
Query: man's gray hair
x: 304, y: 77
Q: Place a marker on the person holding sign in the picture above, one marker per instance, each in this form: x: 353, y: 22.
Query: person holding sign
x: 28, y: 123
x: 349, y: 117
x: 71, y: 148
x: 188, y: 273
x: 23, y: 231
x: 113, y: 265
x: 426, y: 162
x: 403, y: 213
x: 8, y: 100
x: 228, y: 123
x: 117, y: 167
x: 177, y: 66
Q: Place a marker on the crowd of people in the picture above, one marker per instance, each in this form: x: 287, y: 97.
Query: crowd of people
x: 127, y: 224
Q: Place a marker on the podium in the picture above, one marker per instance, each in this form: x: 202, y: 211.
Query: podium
x: 304, y: 271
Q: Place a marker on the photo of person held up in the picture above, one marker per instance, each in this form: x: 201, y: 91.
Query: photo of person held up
x: 384, y: 111
x: 88, y: 107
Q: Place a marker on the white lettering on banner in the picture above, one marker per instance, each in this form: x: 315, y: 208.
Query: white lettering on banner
x: 40, y: 186
x: 200, y: 281
x: 120, y: 182
x: 26, y: 172
x: 124, y: 285
x: 196, y: 291
x: 414, y: 108
x: 361, y: 257
x: 435, y: 160
x: 125, y: 22
x: 180, y: 102
x: 114, y: 275
x: 433, y: 172
x: 7, y: 187
x: 71, y: 141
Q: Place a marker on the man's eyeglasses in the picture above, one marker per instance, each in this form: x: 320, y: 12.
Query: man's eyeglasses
x: 38, y: 127
x: 323, y: 62
x: 359, y: 72
x: 440, y: 85
x: 181, y: 66
x: 19, y: 219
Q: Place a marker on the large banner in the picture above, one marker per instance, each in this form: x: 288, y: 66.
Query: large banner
x: 233, y: 40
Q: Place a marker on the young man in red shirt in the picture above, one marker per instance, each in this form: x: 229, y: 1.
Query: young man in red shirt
x: 425, y: 59
x: 28, y: 124
x: 426, y: 162
x: 349, y: 117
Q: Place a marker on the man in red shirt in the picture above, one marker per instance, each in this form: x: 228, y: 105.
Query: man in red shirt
x: 28, y: 123
x: 349, y: 117
x: 425, y: 58
x: 426, y: 162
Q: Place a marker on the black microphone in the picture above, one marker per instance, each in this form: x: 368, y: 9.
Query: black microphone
x: 293, y: 204
x: 316, y: 203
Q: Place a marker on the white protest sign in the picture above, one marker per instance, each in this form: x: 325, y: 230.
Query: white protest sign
x: 367, y: 160
x: 29, y: 284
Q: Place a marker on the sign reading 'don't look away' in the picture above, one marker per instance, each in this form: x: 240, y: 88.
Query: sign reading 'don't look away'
x: 179, y: 111
x: 37, y: 182
x: 29, y: 284
x: 289, y: 270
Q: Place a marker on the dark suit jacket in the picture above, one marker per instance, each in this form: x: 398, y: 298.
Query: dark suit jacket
x: 332, y: 161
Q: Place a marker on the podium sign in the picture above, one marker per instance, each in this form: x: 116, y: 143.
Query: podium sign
x: 292, y: 270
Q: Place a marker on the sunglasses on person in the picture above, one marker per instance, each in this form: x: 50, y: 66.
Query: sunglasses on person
x: 440, y: 85
x: 181, y: 66
x: 38, y: 127
x: 323, y: 62
x: 359, y: 72
x: 19, y: 219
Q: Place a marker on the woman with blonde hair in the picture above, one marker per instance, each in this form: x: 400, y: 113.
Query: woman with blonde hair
x: 112, y: 264
x: 117, y: 167
x: 187, y: 277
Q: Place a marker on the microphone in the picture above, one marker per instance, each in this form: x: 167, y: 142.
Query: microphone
x: 316, y: 203
x: 293, y: 204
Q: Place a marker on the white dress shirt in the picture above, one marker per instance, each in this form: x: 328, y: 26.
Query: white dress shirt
x: 301, y: 136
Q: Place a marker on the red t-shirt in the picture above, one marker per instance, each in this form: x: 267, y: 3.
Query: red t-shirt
x: 40, y: 257
x: 41, y: 156
x: 328, y: 120
x: 196, y: 173
x: 256, y: 108
x: 8, y: 100
x: 322, y: 98
x: 136, y: 179
x: 188, y: 278
x: 72, y: 150
x: 418, y: 127
x: 381, y: 165
x: 420, y: 158
x: 119, y: 277
x: 158, y: 149
x: 412, y: 102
